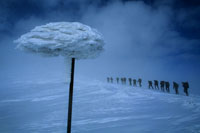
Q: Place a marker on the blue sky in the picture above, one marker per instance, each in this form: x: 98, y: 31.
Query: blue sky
x: 144, y: 38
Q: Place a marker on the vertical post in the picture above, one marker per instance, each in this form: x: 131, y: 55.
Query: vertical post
x: 70, y: 97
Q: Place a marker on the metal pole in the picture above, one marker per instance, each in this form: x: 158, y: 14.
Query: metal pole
x: 70, y: 97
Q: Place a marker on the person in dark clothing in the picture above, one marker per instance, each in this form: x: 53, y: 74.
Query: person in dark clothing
x: 162, y: 84
x: 150, y: 84
x: 124, y: 80
x: 134, y: 82
x: 175, y: 87
x: 167, y: 86
x: 186, y: 86
x: 108, y: 79
x: 156, y: 84
x: 130, y: 81
x: 117, y: 80
x: 140, y: 82
x: 111, y: 80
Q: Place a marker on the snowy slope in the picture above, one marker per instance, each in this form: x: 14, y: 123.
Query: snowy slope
x: 41, y: 106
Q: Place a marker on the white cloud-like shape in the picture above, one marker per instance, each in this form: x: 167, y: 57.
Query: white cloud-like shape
x: 69, y: 39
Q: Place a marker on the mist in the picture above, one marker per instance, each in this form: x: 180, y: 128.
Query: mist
x: 147, y: 39
x: 142, y: 41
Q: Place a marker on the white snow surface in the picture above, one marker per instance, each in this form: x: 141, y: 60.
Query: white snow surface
x: 40, y: 106
x: 69, y: 39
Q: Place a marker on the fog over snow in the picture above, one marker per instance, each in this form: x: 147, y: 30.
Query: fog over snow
x: 147, y: 40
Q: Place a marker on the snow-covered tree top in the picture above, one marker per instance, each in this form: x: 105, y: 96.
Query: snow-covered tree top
x: 69, y: 39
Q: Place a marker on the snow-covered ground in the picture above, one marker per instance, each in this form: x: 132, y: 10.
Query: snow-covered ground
x: 39, y: 106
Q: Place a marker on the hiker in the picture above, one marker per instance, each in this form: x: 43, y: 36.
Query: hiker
x: 175, y: 87
x: 124, y: 80
x: 130, y: 81
x: 150, y: 84
x: 167, y: 86
x: 134, y: 82
x: 185, y: 86
x: 111, y: 80
x: 156, y: 84
x: 117, y: 80
x: 162, y: 84
x: 140, y: 82
x: 108, y: 79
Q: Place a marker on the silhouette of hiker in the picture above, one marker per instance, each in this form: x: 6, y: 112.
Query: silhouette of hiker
x: 162, y: 84
x: 134, y: 82
x: 185, y: 86
x: 150, y: 84
x: 117, y: 80
x: 156, y: 84
x: 175, y: 87
x: 130, y: 81
x: 167, y: 86
x: 111, y: 80
x: 124, y: 80
x: 140, y: 82
x: 108, y: 79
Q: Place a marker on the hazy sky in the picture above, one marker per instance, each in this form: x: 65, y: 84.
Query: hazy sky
x: 144, y: 38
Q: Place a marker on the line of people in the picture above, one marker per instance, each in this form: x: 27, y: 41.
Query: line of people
x: 164, y: 85
x: 123, y: 81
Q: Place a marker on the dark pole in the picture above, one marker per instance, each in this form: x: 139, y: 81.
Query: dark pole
x: 70, y: 97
